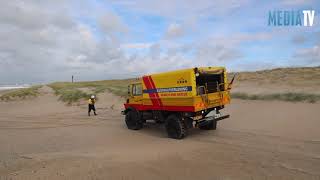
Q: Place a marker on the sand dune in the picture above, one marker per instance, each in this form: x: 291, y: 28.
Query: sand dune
x: 43, y: 138
x: 280, y: 80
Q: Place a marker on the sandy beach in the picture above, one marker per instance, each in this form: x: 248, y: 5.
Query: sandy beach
x: 233, y: 88
x: 43, y: 138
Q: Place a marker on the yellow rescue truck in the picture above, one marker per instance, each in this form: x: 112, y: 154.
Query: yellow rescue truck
x: 180, y: 99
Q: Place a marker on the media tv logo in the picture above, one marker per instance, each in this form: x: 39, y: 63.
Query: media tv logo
x: 291, y: 18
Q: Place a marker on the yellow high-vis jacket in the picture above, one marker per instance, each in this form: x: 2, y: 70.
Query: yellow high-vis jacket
x: 91, y: 101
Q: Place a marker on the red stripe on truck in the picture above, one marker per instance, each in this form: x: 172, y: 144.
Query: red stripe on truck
x: 148, y: 85
x: 156, y: 93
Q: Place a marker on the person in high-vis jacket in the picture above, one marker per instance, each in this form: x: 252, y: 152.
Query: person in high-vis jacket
x: 91, y: 106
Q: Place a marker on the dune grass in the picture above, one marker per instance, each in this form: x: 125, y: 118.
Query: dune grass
x: 70, y: 92
x: 72, y: 95
x: 21, y: 93
x: 297, y: 78
x: 292, y: 97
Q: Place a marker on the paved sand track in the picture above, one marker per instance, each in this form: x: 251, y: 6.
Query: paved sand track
x: 44, y: 139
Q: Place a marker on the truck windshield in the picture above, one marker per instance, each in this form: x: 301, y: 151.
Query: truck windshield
x: 212, y: 82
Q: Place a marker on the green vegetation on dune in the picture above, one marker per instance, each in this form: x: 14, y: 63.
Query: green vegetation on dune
x: 293, y: 77
x: 71, y: 92
x: 21, y: 93
x: 71, y: 95
x: 292, y: 97
x: 298, y: 78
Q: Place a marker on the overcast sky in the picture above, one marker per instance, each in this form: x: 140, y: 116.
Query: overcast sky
x: 50, y: 40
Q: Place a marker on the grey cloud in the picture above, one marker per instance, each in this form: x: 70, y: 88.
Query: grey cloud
x: 254, y: 65
x: 174, y: 30
x: 223, y: 48
x: 309, y: 55
x: 297, y: 2
x: 178, y: 9
x: 181, y: 49
x: 110, y: 23
x: 299, y: 39
x: 238, y: 38
x: 21, y: 14
x: 216, y: 53
x: 34, y: 15
x: 177, y: 30
x: 41, y: 41
x: 140, y: 64
x: 155, y: 51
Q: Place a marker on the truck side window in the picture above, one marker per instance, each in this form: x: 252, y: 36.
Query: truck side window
x: 137, y: 90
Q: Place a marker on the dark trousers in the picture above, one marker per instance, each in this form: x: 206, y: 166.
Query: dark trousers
x: 91, y: 107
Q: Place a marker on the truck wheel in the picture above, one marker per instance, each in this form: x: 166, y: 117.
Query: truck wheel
x: 175, y: 127
x: 212, y: 125
x: 133, y: 120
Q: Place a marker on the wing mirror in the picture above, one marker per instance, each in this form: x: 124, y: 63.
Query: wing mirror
x: 129, y: 90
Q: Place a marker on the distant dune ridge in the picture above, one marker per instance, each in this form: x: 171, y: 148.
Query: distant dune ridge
x: 286, y: 84
x: 280, y: 80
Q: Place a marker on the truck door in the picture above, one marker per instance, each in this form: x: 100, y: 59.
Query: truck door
x: 211, y: 86
x: 202, y: 91
x: 136, y: 93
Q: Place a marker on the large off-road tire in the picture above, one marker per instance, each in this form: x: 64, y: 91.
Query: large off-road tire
x: 175, y: 126
x: 133, y: 120
x: 212, y: 125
